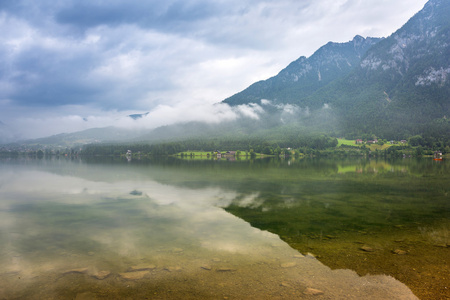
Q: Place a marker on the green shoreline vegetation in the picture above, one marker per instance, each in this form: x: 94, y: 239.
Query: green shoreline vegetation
x: 311, y: 146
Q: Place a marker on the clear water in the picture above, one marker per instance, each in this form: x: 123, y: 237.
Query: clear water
x: 168, y: 228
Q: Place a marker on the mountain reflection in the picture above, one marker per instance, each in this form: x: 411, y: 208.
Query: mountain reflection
x: 63, y: 219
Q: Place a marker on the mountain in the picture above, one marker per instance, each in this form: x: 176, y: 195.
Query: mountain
x: 88, y: 136
x: 395, y: 88
x: 403, y: 82
x: 305, y: 76
x: 392, y: 87
x: 138, y: 116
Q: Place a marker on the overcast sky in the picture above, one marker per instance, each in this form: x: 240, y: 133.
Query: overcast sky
x: 68, y: 65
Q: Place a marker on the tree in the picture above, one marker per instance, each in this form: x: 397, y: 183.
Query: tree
x: 416, y: 140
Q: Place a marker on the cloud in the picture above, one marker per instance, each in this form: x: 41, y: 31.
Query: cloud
x: 107, y: 58
x: 51, y: 122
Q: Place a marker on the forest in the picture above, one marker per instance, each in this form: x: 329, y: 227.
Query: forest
x: 319, y: 145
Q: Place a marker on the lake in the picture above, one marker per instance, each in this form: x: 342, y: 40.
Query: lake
x: 204, y: 229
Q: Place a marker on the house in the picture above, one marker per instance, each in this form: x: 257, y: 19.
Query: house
x: 359, y: 141
x: 437, y: 155
x: 403, y: 141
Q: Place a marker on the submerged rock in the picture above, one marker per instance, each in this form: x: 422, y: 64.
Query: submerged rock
x: 79, y: 271
x: 142, y: 268
x: 225, y: 269
x: 399, y: 252
x: 367, y: 248
x: 311, y: 291
x: 101, y: 275
x: 173, y: 269
x: 134, y: 275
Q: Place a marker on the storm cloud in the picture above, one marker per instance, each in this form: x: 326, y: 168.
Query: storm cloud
x: 72, y: 62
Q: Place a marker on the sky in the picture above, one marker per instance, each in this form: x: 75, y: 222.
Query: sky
x: 70, y: 65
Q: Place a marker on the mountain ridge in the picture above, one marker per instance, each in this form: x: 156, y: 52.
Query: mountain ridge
x: 399, y: 86
x: 307, y: 75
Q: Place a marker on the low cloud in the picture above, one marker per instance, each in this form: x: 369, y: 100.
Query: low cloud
x: 51, y: 123
x: 56, y: 121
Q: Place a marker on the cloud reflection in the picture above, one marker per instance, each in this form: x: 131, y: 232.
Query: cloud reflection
x: 52, y: 224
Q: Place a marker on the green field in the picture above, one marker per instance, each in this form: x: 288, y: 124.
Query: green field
x: 372, y: 147
x: 195, y: 153
x: 347, y: 143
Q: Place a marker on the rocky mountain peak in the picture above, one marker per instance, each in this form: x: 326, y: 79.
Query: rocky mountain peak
x: 425, y: 33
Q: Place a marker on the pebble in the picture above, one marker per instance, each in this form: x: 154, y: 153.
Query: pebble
x: 79, y: 270
x: 399, y: 252
x: 206, y: 267
x: 172, y: 269
x: 134, y: 275
x: 101, y: 275
x: 298, y: 256
x: 367, y: 248
x: 225, y: 269
x: 285, y: 284
x: 311, y: 291
x: 142, y: 268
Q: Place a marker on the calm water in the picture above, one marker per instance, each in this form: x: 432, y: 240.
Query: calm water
x: 86, y: 229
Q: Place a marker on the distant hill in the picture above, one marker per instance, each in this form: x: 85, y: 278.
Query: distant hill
x: 89, y: 136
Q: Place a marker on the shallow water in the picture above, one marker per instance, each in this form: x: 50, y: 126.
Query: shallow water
x: 84, y: 229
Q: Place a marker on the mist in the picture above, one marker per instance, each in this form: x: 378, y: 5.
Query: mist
x: 175, y: 120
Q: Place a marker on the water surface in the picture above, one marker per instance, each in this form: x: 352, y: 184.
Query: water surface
x: 168, y: 228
